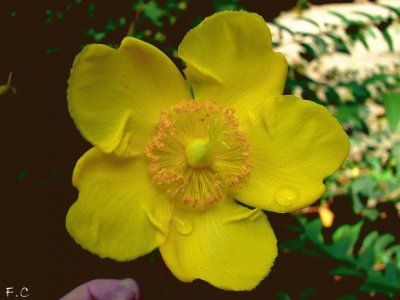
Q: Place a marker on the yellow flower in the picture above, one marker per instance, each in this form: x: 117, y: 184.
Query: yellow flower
x: 165, y: 169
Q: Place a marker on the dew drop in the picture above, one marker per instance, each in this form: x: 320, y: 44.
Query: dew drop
x: 183, y: 226
x: 286, y: 196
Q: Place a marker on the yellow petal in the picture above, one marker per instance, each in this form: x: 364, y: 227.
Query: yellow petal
x: 227, y: 245
x: 294, y: 144
x: 119, y: 214
x: 115, y: 96
x: 230, y: 60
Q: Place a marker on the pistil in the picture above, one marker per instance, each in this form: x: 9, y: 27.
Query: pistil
x: 199, y: 153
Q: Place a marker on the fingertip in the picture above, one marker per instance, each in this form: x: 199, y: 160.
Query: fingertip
x: 132, y: 285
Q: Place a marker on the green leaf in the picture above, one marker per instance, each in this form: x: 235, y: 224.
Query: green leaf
x: 372, y: 18
x: 371, y: 213
x: 282, y: 27
x: 395, y: 251
x: 22, y: 175
x: 375, y: 249
x: 344, y: 239
x: 340, y: 44
x: 96, y: 35
x: 313, y: 231
x: 291, y: 245
x: 382, y: 242
x: 311, y: 21
x: 308, y: 52
x: 391, y: 101
x: 363, y: 185
x: 332, y: 96
x: 90, y: 9
x: 358, y: 206
x: 220, y: 5
x: 321, y: 44
x: 345, y: 271
x: 388, y: 39
x: 341, y: 17
x: 307, y: 293
x: 152, y: 11
x: 283, y: 296
x: 360, y: 92
x: 363, y: 40
x: 348, y: 113
x: 295, y: 228
x: 380, y: 77
x: 370, y: 32
x: 386, y: 282
x: 380, y: 246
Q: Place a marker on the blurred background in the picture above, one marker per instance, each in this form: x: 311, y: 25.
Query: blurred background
x: 342, y: 54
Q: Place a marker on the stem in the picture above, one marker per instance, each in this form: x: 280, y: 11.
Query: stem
x: 131, y: 28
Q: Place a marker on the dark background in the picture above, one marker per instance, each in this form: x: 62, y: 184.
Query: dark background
x: 39, y: 148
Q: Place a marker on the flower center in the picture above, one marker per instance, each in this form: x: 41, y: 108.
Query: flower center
x: 198, y: 153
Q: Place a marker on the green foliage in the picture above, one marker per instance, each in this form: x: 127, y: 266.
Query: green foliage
x: 396, y: 10
x: 22, y: 175
x: 311, y: 21
x: 355, y: 31
x: 344, y: 239
x: 90, y: 9
x: 307, y: 293
x: 391, y: 102
x: 220, y: 5
x: 151, y: 10
x: 366, y: 105
x: 308, y: 52
x: 282, y: 27
x: 52, y: 16
x: 283, y: 296
x: 349, y: 113
x: 148, y: 20
x: 340, y: 44
x: 377, y: 261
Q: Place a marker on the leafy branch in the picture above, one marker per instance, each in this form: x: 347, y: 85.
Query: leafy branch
x: 377, y: 261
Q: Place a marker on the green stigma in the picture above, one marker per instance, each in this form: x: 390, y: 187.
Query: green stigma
x: 198, y: 153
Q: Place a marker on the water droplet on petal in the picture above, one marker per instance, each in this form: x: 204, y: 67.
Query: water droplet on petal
x: 286, y: 196
x: 183, y: 226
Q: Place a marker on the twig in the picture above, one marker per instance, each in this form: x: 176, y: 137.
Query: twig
x: 132, y: 24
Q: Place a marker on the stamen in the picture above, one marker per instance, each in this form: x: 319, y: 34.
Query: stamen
x: 198, y: 153
x: 226, y: 145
